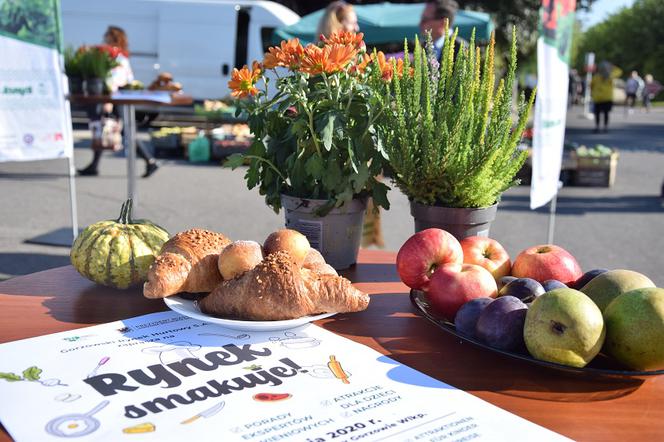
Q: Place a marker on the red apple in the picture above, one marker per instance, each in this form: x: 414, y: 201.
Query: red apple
x: 547, y: 261
x: 423, y: 252
x: 452, y: 285
x: 487, y: 253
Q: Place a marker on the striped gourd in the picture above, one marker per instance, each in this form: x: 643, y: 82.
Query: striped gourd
x: 117, y: 253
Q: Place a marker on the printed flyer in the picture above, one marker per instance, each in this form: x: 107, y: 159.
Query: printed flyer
x: 165, y: 376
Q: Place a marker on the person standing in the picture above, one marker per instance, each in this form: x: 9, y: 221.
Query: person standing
x: 121, y: 75
x: 601, y: 92
x: 633, y: 88
x: 338, y: 16
x: 436, y: 16
x: 651, y: 88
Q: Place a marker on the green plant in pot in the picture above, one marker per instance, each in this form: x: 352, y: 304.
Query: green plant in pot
x: 73, y: 70
x: 96, y: 63
x: 450, y: 135
x: 316, y: 152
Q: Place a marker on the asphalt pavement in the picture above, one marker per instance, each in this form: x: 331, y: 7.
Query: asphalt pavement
x: 618, y: 227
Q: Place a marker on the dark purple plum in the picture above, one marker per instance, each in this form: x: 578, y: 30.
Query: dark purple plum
x: 500, y: 324
x: 502, y: 282
x: 505, y: 280
x: 466, y: 318
x: 587, y: 277
x: 526, y: 289
x: 552, y: 284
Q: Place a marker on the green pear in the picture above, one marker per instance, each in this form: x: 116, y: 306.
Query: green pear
x: 564, y: 326
x: 606, y: 287
x: 635, y: 329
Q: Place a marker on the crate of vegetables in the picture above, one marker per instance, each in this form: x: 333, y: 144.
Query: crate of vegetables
x: 166, y: 142
x: 229, y: 139
x: 596, y: 166
x: 165, y: 137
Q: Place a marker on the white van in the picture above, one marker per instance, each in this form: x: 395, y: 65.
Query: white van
x: 198, y: 41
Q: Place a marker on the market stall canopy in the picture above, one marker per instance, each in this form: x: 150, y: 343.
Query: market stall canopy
x: 387, y: 23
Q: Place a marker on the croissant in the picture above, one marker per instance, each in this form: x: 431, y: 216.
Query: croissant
x: 278, y: 289
x: 186, y: 263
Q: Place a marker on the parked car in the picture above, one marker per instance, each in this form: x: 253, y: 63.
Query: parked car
x: 198, y: 41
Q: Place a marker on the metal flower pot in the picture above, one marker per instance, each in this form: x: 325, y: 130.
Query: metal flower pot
x: 460, y: 222
x: 94, y: 86
x: 336, y: 235
x: 75, y: 85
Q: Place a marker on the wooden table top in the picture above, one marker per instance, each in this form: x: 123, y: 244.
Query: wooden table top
x: 583, y: 409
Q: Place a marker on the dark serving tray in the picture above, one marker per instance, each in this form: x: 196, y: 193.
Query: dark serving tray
x: 600, y: 366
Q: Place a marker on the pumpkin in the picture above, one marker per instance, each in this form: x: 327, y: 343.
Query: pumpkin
x: 117, y: 253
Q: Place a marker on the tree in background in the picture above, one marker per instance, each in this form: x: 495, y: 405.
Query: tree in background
x: 632, y: 39
x: 30, y: 20
x: 524, y: 14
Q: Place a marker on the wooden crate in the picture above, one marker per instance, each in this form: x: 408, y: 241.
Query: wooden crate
x: 223, y: 148
x: 596, y: 171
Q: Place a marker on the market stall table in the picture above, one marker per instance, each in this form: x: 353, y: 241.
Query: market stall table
x: 585, y: 409
x: 127, y: 102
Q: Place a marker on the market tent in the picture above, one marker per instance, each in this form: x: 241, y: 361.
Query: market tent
x: 387, y: 23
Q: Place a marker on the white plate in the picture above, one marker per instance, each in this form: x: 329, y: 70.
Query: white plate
x: 190, y: 309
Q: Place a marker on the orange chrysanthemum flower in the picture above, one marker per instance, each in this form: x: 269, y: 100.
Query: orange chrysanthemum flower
x: 344, y: 38
x: 287, y: 55
x: 328, y: 59
x: 243, y: 81
x: 362, y: 65
x: 386, y: 66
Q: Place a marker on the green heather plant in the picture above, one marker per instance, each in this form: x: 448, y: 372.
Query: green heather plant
x: 96, y: 61
x: 448, y: 129
x: 72, y: 62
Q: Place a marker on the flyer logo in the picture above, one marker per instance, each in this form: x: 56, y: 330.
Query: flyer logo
x: 28, y: 139
x: 52, y: 137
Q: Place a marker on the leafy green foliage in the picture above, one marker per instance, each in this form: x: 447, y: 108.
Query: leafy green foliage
x: 35, y: 21
x: 524, y: 14
x: 10, y: 377
x: 29, y: 374
x: 32, y: 373
x: 95, y: 62
x: 448, y: 129
x: 631, y: 39
x: 72, y: 62
x: 315, y: 139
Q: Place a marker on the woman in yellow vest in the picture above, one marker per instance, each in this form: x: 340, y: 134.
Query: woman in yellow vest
x: 601, y: 91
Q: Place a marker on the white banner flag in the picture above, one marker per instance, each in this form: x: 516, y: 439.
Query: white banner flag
x: 35, y: 120
x: 553, y: 47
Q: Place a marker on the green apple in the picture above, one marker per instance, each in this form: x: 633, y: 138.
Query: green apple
x: 606, y: 287
x: 564, y: 326
x: 635, y: 329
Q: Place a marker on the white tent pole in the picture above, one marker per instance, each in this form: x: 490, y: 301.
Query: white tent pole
x: 552, y: 218
x: 552, y: 214
x: 72, y: 198
x: 129, y: 122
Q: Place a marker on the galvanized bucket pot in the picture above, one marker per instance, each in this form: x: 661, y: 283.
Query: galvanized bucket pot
x: 460, y: 222
x: 336, y: 235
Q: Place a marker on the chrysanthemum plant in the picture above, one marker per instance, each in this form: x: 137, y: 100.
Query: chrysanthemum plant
x: 315, y: 137
x: 448, y: 128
